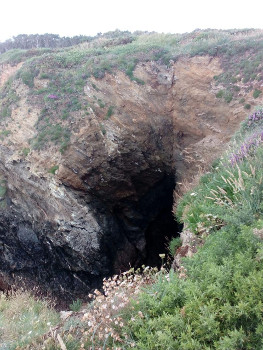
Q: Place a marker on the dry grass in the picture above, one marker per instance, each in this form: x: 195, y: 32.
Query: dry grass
x: 107, y: 317
x: 22, y: 318
x: 99, y: 325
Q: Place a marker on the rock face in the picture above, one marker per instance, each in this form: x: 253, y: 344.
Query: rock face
x: 102, y: 208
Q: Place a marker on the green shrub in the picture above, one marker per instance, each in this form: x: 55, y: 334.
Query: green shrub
x: 174, y: 244
x: 101, y: 104
x: 64, y: 145
x: 15, y: 56
x: 216, y: 307
x: 247, y: 106
x: 4, y: 133
x: 220, y: 94
x: 53, y: 169
x: 109, y: 112
x: 231, y: 193
x: 94, y: 87
x: 129, y: 72
x: 26, y: 151
x: 75, y: 104
x: 5, y: 112
x: 65, y: 115
x: 256, y: 93
x: 236, y: 88
x: 76, y: 305
x: 228, y: 96
x: 102, y: 128
x: 44, y: 76
x: 27, y: 77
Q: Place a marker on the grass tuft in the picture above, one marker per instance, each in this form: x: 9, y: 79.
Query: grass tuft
x: 24, y: 318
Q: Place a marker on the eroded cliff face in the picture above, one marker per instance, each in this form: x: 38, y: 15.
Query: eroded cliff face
x: 96, y: 215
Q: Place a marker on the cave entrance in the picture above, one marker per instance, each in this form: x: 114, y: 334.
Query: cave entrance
x: 161, y: 229
x: 148, y: 224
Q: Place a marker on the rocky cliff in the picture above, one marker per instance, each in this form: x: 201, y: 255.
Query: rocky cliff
x: 89, y: 192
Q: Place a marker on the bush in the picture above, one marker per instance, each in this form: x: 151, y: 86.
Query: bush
x: 101, y: 104
x: 4, y: 133
x: 247, y: 106
x: 256, y: 93
x: 174, y: 244
x: 228, y: 96
x: 44, y: 76
x: 27, y: 77
x: 53, y: 169
x: 216, y: 307
x: 5, y: 112
x: 129, y: 72
x: 102, y: 128
x: 220, y: 94
x: 76, y: 305
x: 26, y: 151
x: 109, y: 112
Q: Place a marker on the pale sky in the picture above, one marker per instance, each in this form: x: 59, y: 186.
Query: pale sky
x: 69, y: 18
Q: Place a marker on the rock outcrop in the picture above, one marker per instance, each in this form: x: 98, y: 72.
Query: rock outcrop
x: 94, y: 214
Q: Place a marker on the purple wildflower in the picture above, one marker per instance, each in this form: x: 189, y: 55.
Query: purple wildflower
x: 254, y: 117
x: 53, y: 97
x: 246, y: 148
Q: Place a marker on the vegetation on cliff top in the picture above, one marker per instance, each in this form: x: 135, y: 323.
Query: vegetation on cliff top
x: 215, y: 300
x: 56, y: 76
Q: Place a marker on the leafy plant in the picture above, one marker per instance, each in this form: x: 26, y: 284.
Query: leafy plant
x: 129, y: 72
x: 26, y: 151
x: 109, y: 112
x: 27, y: 77
x: 5, y: 112
x: 256, y: 93
x: 216, y: 306
x: 53, y: 169
x: 174, y: 244
x: 4, y: 133
x: 102, y: 128
x: 101, y: 104
x: 228, y: 96
x: 220, y: 94
x: 76, y: 305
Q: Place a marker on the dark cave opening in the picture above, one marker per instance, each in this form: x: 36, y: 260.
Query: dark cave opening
x: 158, y: 235
x: 148, y: 224
x: 161, y: 230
